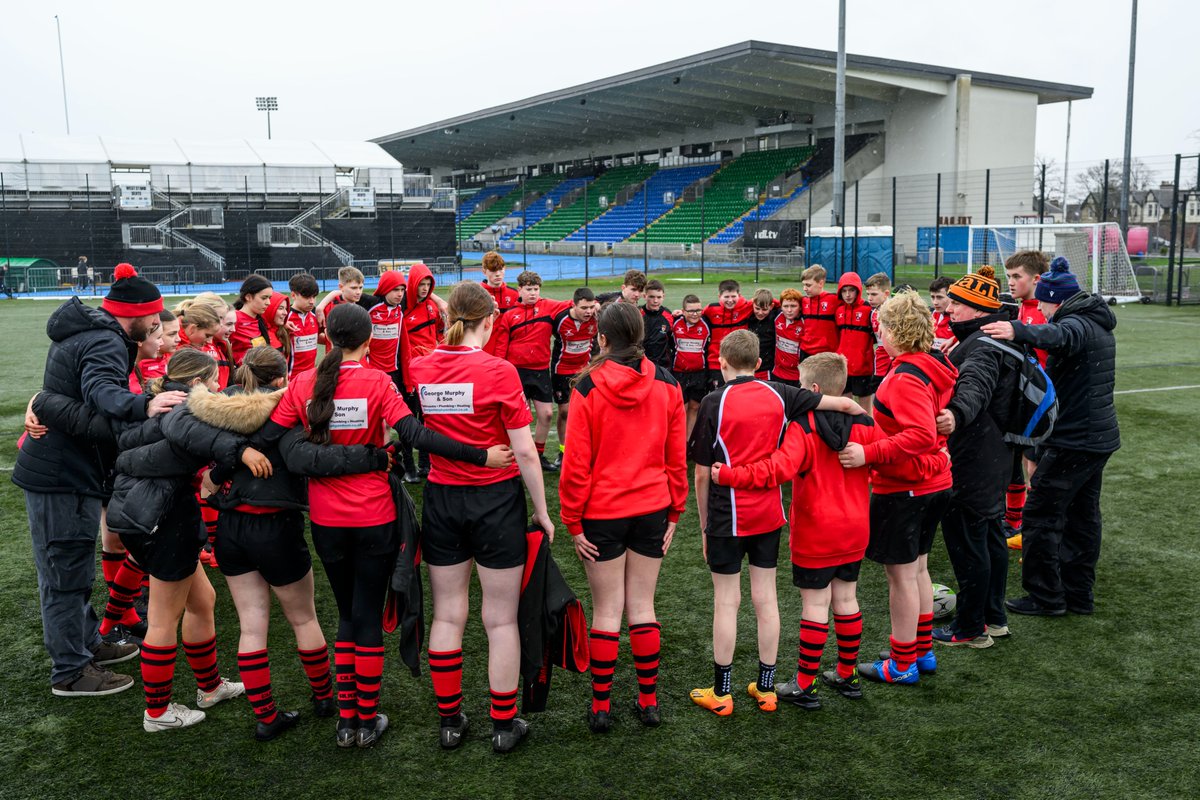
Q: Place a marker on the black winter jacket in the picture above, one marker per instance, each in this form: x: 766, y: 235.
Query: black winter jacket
x: 983, y: 402
x: 404, y: 607
x: 89, y: 360
x: 553, y: 626
x: 658, y: 342
x: 764, y: 329
x: 1083, y: 365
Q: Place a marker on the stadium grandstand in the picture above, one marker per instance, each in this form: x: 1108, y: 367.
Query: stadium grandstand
x: 687, y: 152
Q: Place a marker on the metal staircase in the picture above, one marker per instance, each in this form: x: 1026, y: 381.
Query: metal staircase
x: 299, y: 231
x: 166, y: 233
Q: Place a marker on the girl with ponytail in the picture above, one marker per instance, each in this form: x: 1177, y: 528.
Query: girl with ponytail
x: 474, y: 515
x: 344, y: 403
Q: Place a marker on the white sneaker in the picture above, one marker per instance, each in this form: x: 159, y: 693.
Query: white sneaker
x: 224, y: 691
x: 997, y: 631
x: 177, y: 715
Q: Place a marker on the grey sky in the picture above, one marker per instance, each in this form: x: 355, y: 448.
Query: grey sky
x: 360, y: 70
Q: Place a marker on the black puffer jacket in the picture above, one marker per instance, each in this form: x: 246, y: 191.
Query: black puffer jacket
x: 657, y: 340
x: 244, y: 413
x: 89, y: 360
x: 983, y: 401
x: 1083, y: 366
x: 158, y: 459
x: 764, y: 329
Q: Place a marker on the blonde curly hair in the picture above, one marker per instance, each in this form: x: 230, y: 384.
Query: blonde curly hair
x: 908, y: 322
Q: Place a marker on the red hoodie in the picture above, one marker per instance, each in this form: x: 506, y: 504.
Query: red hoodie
x: 856, y: 340
x: 626, y: 450
x: 424, y: 325
x: 522, y: 333
x: 829, y: 518
x: 819, y: 333
x: 506, y: 297
x: 724, y: 321
x: 913, y: 456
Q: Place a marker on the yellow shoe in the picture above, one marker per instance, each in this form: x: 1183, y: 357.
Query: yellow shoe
x: 1014, y: 542
x: 767, y: 701
x: 719, y: 704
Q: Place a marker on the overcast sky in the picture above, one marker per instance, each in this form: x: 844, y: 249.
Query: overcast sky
x: 360, y: 70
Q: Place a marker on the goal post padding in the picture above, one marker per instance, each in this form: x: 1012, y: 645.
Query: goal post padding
x: 1096, y: 253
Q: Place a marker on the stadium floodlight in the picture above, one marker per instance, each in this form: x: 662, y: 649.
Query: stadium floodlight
x: 267, y: 104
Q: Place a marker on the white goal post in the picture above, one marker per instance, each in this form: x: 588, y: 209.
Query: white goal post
x: 1095, y: 251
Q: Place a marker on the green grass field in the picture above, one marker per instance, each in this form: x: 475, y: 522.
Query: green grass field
x: 1077, y: 707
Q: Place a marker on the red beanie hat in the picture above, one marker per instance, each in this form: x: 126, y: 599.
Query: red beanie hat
x: 273, y: 305
x: 388, y: 281
x: 131, y: 295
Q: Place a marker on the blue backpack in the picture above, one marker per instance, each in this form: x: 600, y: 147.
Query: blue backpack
x: 1035, y: 403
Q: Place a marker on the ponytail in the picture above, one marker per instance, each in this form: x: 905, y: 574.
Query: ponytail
x: 260, y: 367
x: 469, y: 305
x: 348, y: 328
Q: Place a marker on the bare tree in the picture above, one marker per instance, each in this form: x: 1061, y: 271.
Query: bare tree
x: 1048, y: 166
x: 1091, y: 181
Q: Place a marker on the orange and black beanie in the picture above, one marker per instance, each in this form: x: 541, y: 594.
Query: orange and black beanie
x: 979, y: 290
x: 131, y: 295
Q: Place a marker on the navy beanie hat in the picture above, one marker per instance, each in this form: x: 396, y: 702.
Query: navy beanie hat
x: 1057, y: 285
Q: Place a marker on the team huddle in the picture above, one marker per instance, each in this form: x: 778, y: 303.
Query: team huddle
x: 201, y: 437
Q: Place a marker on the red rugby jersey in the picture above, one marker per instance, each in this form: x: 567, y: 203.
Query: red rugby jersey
x: 366, y: 404
x: 475, y: 398
x: 506, y: 297
x: 573, y: 342
x: 787, y: 347
x: 941, y: 329
x: 724, y: 321
x: 883, y: 362
x: 1030, y: 314
x: 303, y: 329
x: 249, y: 332
x: 819, y: 333
x: 154, y: 367
x: 691, y: 345
x: 856, y: 338
x: 384, y: 352
x: 522, y: 333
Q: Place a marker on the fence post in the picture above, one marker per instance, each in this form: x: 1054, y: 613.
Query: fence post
x: 808, y: 230
x: 7, y: 247
x: 246, y: 212
x: 587, y: 247
x: 392, y: 221
x: 937, y: 230
x: 893, y: 275
x: 1042, y: 208
x: 1104, y: 195
x: 87, y: 184
x: 1174, y: 228
x: 987, y: 204
x: 854, y: 250
x: 702, y: 234
x: 757, y: 231
x: 645, y: 224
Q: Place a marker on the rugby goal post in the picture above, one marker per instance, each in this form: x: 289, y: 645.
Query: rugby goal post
x: 1093, y: 250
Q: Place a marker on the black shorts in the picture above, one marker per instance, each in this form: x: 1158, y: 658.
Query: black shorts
x: 270, y: 544
x: 536, y: 384
x: 694, y: 385
x: 903, y: 526
x: 642, y: 534
x: 860, y: 385
x: 562, y: 385
x: 334, y: 543
x: 820, y: 577
x: 172, y: 552
x: 876, y: 381
x: 486, y: 523
x: 715, y: 380
x: 725, y: 553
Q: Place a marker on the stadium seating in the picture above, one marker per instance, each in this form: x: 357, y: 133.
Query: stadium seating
x: 763, y: 211
x: 482, y: 220
x: 568, y: 219
x: 468, y: 204
x: 725, y: 199
x: 621, y: 222
x: 540, y: 209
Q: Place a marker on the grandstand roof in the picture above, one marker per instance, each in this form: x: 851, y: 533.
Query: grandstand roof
x: 729, y: 84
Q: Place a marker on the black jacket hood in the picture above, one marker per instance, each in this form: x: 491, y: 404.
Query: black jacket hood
x: 74, y: 317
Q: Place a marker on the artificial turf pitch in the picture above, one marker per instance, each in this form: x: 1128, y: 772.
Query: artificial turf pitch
x: 1089, y: 707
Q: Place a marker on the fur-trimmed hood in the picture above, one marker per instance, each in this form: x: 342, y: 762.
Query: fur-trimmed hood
x: 243, y: 412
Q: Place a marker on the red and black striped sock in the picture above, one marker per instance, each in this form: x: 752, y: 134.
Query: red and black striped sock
x: 158, y: 674
x: 343, y: 662
x: 848, y: 628
x: 123, y: 589
x: 1015, y: 504
x: 209, y: 515
x: 924, y: 633
x: 255, y: 671
x: 645, y: 641
x: 812, y: 644
x: 445, y: 666
x: 368, y: 669
x: 540, y: 447
x: 504, y: 709
x: 109, y: 564
x: 316, y: 667
x: 903, y: 653
x: 202, y: 658
x: 604, y: 647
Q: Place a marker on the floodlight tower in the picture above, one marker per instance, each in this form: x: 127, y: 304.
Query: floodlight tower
x: 267, y: 104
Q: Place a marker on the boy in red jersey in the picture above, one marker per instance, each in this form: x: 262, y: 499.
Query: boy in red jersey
x: 787, y: 338
x: 505, y: 296
x: 910, y: 482
x: 387, y: 318
x: 350, y: 290
x: 574, y: 340
x: 690, y: 336
x: 819, y: 312
x: 740, y: 423
x: 879, y: 289
x: 523, y: 337
x: 829, y: 525
x: 168, y: 341
x: 939, y: 299
x: 856, y: 339
x: 1023, y: 270
x: 302, y: 323
x: 731, y: 312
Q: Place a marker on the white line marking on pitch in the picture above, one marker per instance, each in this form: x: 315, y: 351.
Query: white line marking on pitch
x: 1159, y: 389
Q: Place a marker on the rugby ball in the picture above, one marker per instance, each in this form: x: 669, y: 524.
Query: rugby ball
x: 944, y: 601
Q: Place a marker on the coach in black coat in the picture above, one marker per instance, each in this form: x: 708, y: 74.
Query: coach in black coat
x: 981, y: 461
x: 1062, y: 527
